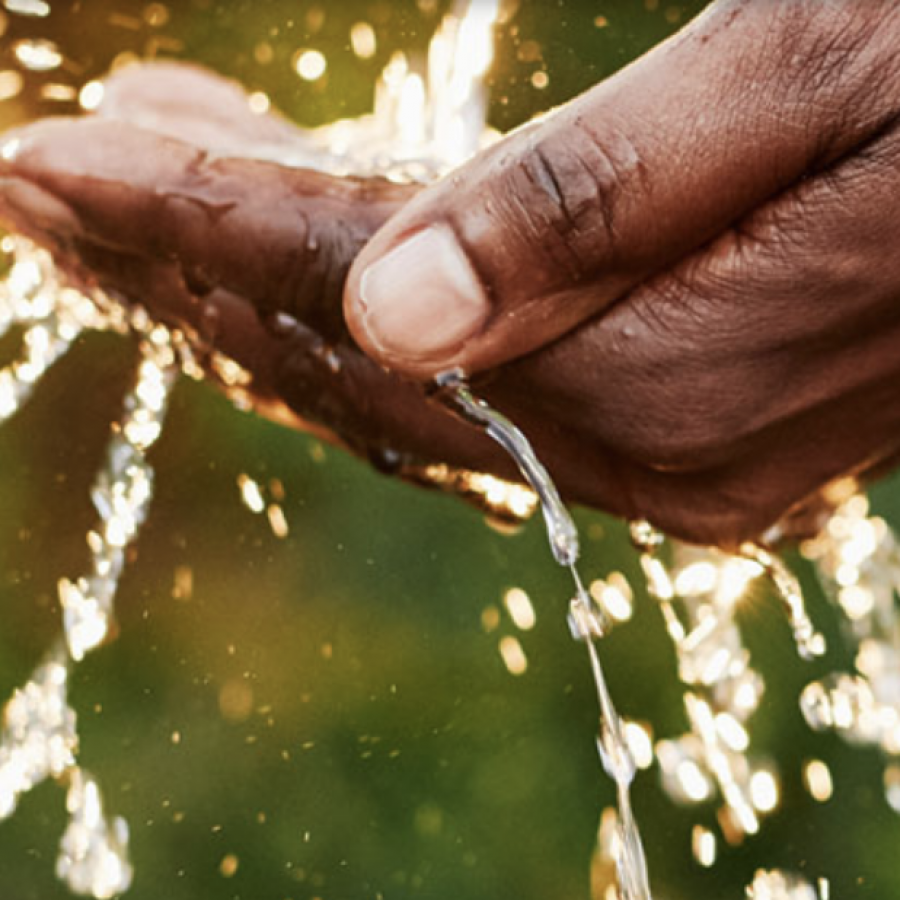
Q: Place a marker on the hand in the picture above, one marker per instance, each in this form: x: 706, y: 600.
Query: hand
x: 159, y: 200
x: 735, y: 192
x: 690, y: 276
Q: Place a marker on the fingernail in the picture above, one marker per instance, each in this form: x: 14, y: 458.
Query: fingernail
x: 423, y: 300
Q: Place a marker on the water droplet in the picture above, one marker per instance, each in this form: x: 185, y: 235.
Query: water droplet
x: 38, y: 55
x: 35, y: 8
x: 615, y: 753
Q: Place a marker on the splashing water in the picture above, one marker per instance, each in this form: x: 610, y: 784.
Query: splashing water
x: 423, y: 125
x: 699, y: 598
x: 712, y: 661
x: 781, y: 886
x: 40, y: 739
x: 858, y: 559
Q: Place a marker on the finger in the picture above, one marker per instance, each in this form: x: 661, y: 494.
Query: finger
x: 561, y: 219
x: 281, y: 238
x: 195, y: 105
x: 120, y: 212
x: 757, y: 371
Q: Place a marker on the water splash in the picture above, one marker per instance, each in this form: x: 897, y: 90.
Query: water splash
x: 40, y: 738
x: 40, y: 742
x: 93, y: 852
x: 810, y: 643
x: 858, y: 560
x: 425, y: 121
x: 121, y: 494
x: 784, y: 886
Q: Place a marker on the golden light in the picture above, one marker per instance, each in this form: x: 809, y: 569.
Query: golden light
x: 705, y: 846
x: 251, y: 494
x: 277, y: 520
x: 38, y: 55
x: 310, y: 65
x: 11, y: 83
x: 764, y: 791
x: 363, y: 40
x: 513, y: 655
x: 520, y: 609
x: 640, y: 743
x: 229, y: 866
x: 259, y: 103
x: 818, y: 781
x: 36, y: 8
x: 91, y: 95
x: 490, y: 619
x: 693, y: 782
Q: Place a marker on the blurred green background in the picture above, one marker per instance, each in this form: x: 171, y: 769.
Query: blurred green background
x: 327, y: 715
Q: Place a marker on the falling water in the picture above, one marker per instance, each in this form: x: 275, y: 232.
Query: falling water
x: 587, y: 621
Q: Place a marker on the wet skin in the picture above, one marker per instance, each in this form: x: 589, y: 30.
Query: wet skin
x: 689, y: 277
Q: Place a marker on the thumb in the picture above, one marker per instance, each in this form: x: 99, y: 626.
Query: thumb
x: 562, y: 218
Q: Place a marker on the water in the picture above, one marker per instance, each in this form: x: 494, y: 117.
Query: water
x: 782, y: 886
x: 453, y: 390
x: 40, y: 740
x: 858, y: 559
x: 587, y: 622
x: 724, y: 692
x: 810, y: 643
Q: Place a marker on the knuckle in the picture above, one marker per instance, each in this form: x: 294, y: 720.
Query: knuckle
x: 565, y: 187
x: 316, y: 260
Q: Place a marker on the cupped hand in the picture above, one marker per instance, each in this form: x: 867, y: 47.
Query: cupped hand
x: 691, y: 272
x: 165, y: 198
x: 682, y: 285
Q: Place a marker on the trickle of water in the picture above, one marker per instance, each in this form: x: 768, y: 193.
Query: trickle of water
x: 587, y: 622
x: 810, y: 643
x: 452, y: 390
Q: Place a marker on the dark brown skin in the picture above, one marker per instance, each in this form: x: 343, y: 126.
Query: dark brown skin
x: 249, y: 257
x: 688, y: 278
